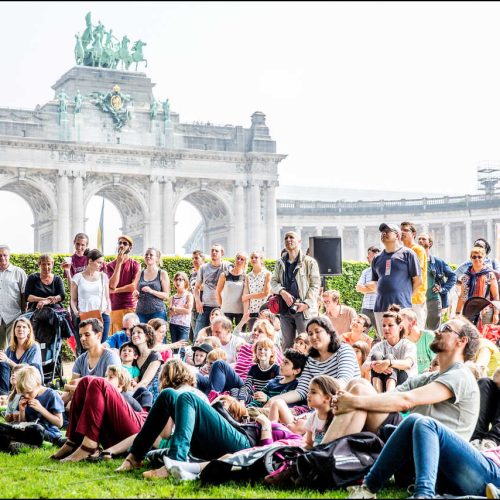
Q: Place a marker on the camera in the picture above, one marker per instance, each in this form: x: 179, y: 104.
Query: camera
x: 293, y: 307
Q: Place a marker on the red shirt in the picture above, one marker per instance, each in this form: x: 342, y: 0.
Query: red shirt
x: 78, y: 264
x: 129, y: 270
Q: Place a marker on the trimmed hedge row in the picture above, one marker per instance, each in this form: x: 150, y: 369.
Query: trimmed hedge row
x: 345, y: 284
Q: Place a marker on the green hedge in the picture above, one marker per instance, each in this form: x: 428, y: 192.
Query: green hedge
x: 345, y: 284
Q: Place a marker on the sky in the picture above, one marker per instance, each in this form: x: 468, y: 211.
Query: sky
x: 382, y: 95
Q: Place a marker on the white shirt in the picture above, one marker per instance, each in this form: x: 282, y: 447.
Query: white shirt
x: 12, y: 284
x: 91, y: 293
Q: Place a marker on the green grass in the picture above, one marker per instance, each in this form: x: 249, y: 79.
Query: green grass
x: 31, y: 474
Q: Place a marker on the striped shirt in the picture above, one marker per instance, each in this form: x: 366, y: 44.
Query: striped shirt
x: 368, y: 298
x: 244, y: 360
x: 341, y: 365
x: 256, y: 380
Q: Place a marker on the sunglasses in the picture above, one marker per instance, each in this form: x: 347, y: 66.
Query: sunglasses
x: 448, y: 328
x: 474, y: 257
x: 123, y: 243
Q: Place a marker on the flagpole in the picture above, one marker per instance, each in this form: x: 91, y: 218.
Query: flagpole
x: 100, y: 229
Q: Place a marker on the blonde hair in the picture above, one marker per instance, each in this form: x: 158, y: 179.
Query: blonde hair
x: 264, y: 342
x: 185, y: 278
x: 122, y: 374
x: 333, y: 294
x: 213, y: 341
x: 156, y: 252
x: 30, y: 340
x: 245, y: 256
x: 216, y: 354
x: 28, y: 379
x: 176, y: 373
x: 478, y: 250
x: 13, y: 371
x: 267, y: 326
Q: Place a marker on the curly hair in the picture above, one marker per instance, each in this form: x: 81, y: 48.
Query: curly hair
x: 176, y: 373
x: 149, y: 332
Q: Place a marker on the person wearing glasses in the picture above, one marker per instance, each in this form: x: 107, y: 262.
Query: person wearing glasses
x: 153, y: 288
x: 479, y: 281
x: 229, y: 291
x: 119, y: 338
x: 123, y: 273
x: 450, y: 395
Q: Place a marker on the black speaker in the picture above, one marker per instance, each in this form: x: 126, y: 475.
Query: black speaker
x: 328, y: 253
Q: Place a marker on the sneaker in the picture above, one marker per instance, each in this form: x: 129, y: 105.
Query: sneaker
x: 281, y: 477
x: 477, y: 444
x: 180, y: 474
x: 360, y: 491
x: 492, y: 491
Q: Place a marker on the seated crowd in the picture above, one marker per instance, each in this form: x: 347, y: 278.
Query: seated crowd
x: 187, y: 373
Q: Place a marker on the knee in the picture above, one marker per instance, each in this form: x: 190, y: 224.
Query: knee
x: 360, y: 387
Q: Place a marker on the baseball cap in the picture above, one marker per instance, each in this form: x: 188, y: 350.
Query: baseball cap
x: 389, y: 227
x: 203, y: 347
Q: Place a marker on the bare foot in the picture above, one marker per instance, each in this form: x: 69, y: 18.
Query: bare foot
x: 162, y: 472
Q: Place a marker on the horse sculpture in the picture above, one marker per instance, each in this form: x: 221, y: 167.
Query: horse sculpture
x: 137, y: 55
x: 79, y: 52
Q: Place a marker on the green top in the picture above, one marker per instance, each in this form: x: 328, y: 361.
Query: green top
x: 424, y: 353
x: 430, y: 294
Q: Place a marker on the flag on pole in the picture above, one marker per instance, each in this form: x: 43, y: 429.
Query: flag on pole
x: 100, y: 230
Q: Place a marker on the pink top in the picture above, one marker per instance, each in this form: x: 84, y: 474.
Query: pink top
x: 130, y: 269
x: 493, y: 454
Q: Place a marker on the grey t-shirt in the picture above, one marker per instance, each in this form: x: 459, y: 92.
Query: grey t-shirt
x: 81, y: 366
x: 208, y: 276
x: 458, y: 413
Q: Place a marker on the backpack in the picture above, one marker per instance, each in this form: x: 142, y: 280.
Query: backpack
x: 342, y: 462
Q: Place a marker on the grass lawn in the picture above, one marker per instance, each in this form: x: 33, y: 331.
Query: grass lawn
x: 31, y: 474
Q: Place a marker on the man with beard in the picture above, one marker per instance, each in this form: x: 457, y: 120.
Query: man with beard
x: 450, y: 395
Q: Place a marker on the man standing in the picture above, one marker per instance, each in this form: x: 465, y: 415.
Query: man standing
x: 12, y: 303
x: 123, y: 273
x: 296, y: 279
x: 418, y: 302
x: 396, y: 273
x: 440, y: 280
x: 198, y: 259
x: 207, y: 278
x: 368, y: 298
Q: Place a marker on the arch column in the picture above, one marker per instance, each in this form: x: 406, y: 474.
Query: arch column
x: 340, y: 234
x: 490, y: 237
x: 77, y: 204
x: 447, y: 242
x: 361, y: 243
x: 318, y: 231
x: 271, y: 219
x: 168, y: 242
x: 239, y: 216
x: 63, y: 237
x: 255, y: 216
x: 468, y: 236
x: 154, y: 238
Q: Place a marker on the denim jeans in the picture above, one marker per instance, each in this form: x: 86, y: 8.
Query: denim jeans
x: 106, y: 322
x: 4, y: 378
x: 441, y: 459
x: 222, y: 378
x: 203, y: 319
x: 199, y: 429
x: 144, y: 318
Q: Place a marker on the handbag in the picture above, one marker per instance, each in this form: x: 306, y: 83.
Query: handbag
x: 276, y: 304
x: 94, y: 313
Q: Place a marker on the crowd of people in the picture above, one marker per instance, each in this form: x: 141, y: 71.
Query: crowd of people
x: 174, y: 369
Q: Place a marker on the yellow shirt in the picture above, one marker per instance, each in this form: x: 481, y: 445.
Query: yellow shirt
x: 419, y: 296
x: 494, y: 362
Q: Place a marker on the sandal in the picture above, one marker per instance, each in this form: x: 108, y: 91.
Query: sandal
x: 87, y: 449
x: 128, y: 465
x: 102, y: 455
x: 63, y: 453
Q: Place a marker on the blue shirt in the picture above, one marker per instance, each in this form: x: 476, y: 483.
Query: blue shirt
x: 394, y: 272
x: 53, y: 403
x: 117, y: 339
x: 32, y: 356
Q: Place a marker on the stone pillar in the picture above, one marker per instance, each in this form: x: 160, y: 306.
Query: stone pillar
x: 468, y: 238
x: 271, y: 220
x: 425, y: 228
x: 154, y: 238
x: 168, y: 243
x: 340, y: 234
x: 490, y: 237
x: 318, y: 231
x: 361, y: 243
x: 447, y: 242
x: 255, y: 217
x: 63, y: 237
x: 77, y: 208
x: 239, y: 216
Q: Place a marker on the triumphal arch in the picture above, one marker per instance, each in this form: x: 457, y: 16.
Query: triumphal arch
x: 105, y: 133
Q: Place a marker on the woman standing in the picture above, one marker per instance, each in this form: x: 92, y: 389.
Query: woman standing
x: 44, y: 288
x: 22, y: 349
x: 229, y: 289
x: 256, y: 288
x: 90, y: 290
x: 479, y: 281
x: 153, y: 288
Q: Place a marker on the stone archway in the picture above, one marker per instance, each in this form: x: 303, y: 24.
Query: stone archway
x: 37, y: 191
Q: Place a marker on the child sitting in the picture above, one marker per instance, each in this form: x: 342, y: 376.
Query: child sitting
x: 200, y: 354
x: 291, y: 367
x: 261, y: 372
x: 39, y: 404
x: 12, y: 411
x: 321, y: 391
x: 301, y: 343
x: 128, y: 354
x: 119, y: 377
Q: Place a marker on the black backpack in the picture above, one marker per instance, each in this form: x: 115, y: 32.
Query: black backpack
x: 342, y: 462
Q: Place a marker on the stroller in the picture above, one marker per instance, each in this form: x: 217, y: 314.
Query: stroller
x: 472, y: 311
x: 51, y: 326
